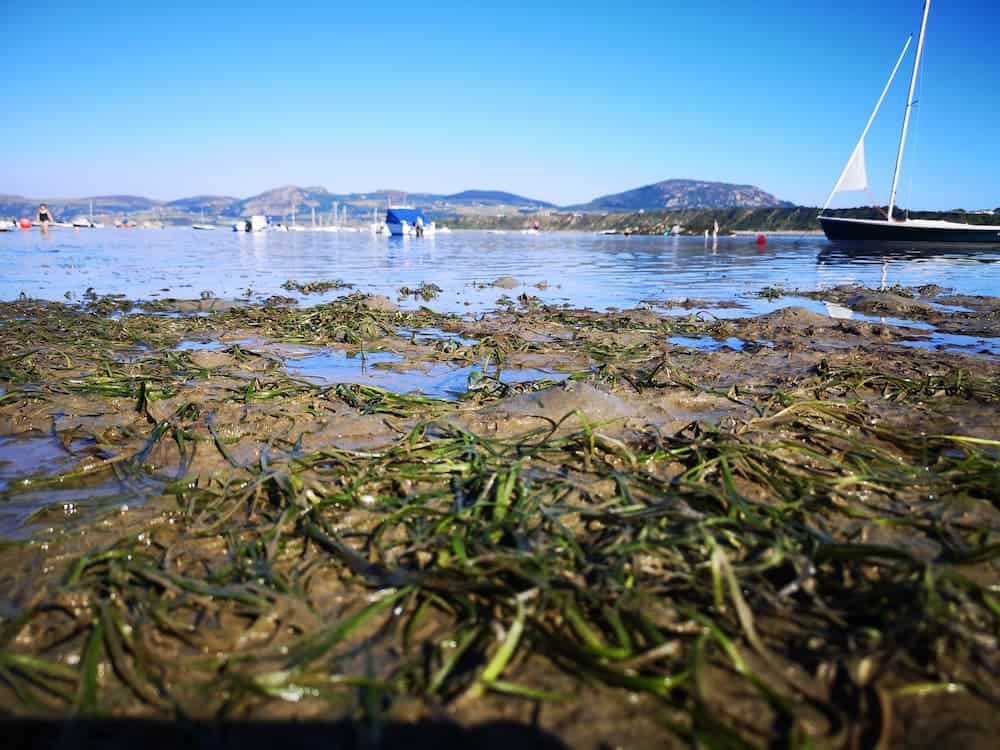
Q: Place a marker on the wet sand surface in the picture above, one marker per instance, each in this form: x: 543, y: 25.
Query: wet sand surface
x: 654, y: 527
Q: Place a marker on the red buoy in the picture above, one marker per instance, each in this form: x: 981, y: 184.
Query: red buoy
x: 761, y: 240
x: 24, y: 223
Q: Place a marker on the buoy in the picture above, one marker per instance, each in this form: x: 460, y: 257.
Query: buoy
x: 24, y: 223
x: 761, y: 240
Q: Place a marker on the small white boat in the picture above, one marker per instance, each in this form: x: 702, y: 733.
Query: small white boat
x: 7, y: 225
x: 377, y: 227
x: 81, y: 222
x: 203, y: 226
x: 256, y: 223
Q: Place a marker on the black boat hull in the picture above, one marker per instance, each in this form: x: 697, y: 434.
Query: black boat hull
x: 847, y: 230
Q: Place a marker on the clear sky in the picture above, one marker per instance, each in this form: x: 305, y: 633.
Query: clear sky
x: 557, y: 101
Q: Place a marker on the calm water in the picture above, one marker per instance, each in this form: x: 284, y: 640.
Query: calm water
x: 581, y: 269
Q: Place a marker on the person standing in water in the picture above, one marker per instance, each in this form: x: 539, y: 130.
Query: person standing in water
x: 44, y: 218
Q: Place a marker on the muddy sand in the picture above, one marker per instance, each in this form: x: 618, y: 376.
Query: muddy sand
x: 593, y: 538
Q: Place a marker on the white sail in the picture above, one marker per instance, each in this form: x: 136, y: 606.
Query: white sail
x: 854, y: 177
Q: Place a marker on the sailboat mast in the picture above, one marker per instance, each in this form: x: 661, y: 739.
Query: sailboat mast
x: 909, y: 106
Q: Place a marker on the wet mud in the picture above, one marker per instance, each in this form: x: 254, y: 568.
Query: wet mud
x: 789, y: 538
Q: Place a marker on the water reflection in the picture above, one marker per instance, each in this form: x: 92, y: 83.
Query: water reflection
x: 848, y: 252
x: 579, y: 269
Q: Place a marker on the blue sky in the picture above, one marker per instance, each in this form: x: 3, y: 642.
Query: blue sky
x: 558, y: 101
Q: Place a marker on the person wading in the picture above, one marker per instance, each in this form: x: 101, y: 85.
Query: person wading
x: 43, y: 218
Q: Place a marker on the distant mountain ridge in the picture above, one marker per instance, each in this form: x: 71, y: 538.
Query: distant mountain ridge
x: 677, y: 195
x: 282, y: 201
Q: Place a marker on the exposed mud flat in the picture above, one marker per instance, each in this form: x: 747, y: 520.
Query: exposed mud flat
x: 792, y: 542
x: 950, y: 313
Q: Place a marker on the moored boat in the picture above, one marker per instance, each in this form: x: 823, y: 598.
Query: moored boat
x: 406, y: 221
x: 256, y: 223
x: 844, y: 229
x: 892, y: 229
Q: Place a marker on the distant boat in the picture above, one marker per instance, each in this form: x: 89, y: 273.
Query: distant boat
x: 80, y: 222
x: 85, y: 222
x: 294, y: 227
x: 377, y: 227
x: 405, y: 221
x: 256, y: 223
x: 203, y: 226
x: 890, y: 229
x: 7, y: 225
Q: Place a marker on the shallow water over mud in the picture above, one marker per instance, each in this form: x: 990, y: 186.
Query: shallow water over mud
x: 580, y: 269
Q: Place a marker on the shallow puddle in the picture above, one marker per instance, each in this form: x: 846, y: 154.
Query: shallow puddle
x: 206, y: 345
x: 25, y: 457
x: 427, y: 335
x: 57, y: 508
x: 954, y: 342
x: 708, y: 344
x: 439, y: 380
x: 30, y: 499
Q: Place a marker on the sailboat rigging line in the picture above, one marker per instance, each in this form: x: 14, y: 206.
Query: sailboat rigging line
x: 875, y: 204
x: 868, y: 125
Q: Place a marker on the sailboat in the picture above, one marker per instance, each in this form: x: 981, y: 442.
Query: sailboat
x: 892, y: 229
x: 203, y: 226
x: 294, y: 225
x: 85, y: 222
